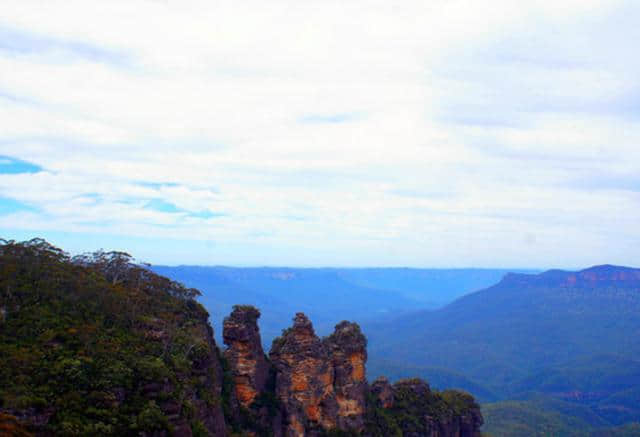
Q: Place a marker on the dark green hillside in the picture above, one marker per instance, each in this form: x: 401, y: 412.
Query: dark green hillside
x: 584, y: 379
x: 97, y: 345
x: 571, y: 336
x: 531, y: 418
x: 520, y: 326
x: 544, y: 416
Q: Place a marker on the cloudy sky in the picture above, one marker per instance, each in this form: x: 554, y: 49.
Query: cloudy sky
x: 320, y: 132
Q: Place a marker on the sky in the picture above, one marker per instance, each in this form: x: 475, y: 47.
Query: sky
x: 324, y: 133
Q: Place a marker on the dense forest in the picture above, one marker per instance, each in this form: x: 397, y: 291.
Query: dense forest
x: 100, y: 345
x: 85, y: 340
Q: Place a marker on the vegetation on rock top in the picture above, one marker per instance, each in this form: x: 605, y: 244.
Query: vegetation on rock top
x: 93, y: 344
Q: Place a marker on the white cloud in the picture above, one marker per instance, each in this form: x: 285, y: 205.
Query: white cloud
x: 463, y: 127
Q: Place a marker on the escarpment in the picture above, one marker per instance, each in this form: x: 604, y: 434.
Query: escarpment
x: 319, y: 386
x: 97, y: 345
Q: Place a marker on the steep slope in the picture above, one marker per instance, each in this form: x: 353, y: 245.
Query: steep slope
x: 524, y: 323
x: 570, y: 335
x: 100, y: 346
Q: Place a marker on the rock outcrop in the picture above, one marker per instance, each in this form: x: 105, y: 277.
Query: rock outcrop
x: 382, y: 392
x: 320, y: 386
x: 304, y: 380
x: 433, y: 414
x: 347, y: 349
x: 248, y: 364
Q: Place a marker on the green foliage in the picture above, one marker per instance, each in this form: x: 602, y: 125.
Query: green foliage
x: 95, y: 339
x: 198, y: 429
x: 413, y: 402
x: 152, y: 419
x: 525, y: 419
x: 544, y: 416
x: 341, y: 433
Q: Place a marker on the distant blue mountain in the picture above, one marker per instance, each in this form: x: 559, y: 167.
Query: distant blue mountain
x: 327, y: 295
x: 550, y: 341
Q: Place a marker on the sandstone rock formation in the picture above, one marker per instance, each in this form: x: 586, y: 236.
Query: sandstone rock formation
x: 347, y: 349
x: 382, y: 392
x: 320, y: 386
x: 246, y: 358
x: 304, y: 379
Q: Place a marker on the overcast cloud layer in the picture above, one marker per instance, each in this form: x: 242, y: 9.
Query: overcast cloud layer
x: 422, y: 133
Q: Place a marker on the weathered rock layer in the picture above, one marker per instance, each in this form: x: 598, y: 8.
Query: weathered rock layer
x: 320, y: 386
x: 304, y: 379
x: 347, y: 349
x: 246, y: 358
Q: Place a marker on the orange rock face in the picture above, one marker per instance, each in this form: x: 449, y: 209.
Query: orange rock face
x: 320, y: 383
x: 245, y: 393
x: 347, y: 349
x: 245, y: 355
x: 357, y: 361
x: 304, y: 379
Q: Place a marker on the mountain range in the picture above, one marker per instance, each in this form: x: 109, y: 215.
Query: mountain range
x: 328, y: 295
x: 96, y: 344
x: 547, y: 340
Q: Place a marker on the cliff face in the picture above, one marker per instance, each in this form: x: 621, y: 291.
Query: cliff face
x: 246, y: 358
x: 200, y: 383
x: 304, y: 379
x: 319, y: 383
x: 320, y: 387
x: 597, y: 276
x: 347, y: 349
x: 208, y: 372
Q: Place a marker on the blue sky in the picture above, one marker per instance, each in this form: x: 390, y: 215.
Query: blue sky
x: 441, y: 134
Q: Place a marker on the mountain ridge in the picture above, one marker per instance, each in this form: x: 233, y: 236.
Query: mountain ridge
x: 604, y: 273
x: 554, y: 333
